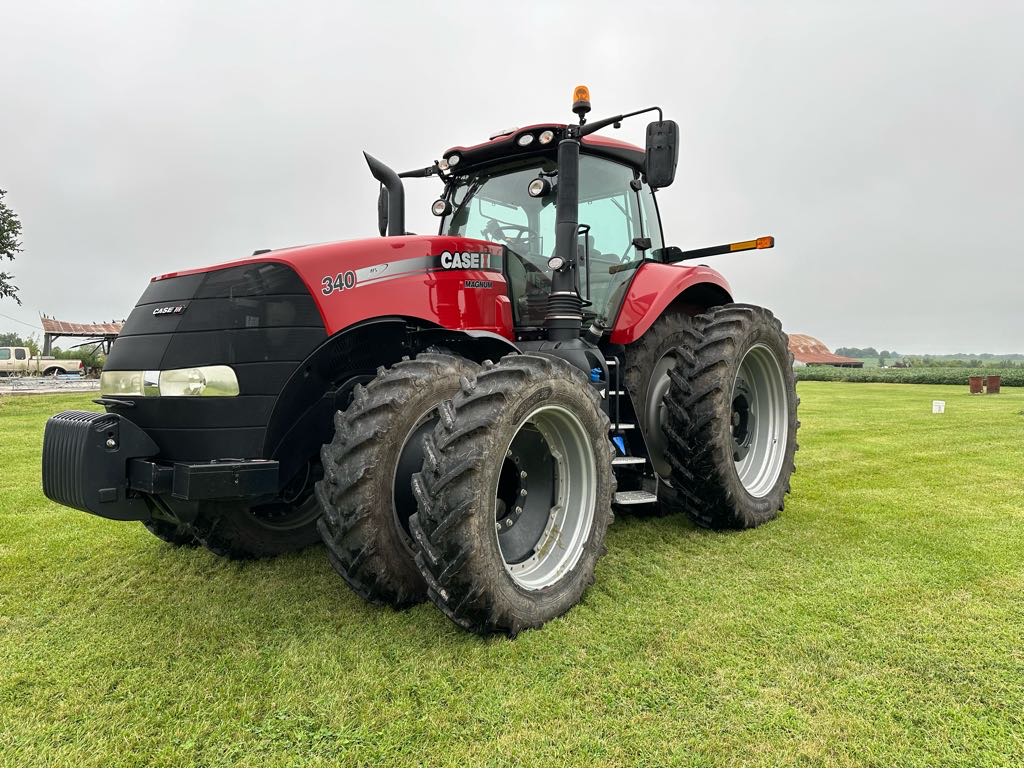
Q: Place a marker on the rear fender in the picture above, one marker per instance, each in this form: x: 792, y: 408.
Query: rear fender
x: 656, y: 287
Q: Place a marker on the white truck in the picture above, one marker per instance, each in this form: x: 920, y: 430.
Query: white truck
x: 19, y: 361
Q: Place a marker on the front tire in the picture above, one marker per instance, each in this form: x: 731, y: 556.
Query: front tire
x: 239, y: 531
x: 733, y: 405
x: 515, y: 496
x: 366, y: 494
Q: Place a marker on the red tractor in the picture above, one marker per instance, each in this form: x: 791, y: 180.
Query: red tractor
x: 455, y: 415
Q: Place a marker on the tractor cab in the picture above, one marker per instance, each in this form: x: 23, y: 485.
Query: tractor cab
x: 509, y: 198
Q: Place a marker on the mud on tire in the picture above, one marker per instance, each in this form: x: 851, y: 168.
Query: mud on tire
x: 366, y: 503
x: 732, y: 407
x: 495, y: 558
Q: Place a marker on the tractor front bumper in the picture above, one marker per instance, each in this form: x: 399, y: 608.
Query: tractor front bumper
x: 105, y: 465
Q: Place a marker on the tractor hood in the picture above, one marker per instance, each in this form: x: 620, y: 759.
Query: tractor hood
x: 330, y: 271
x: 265, y: 315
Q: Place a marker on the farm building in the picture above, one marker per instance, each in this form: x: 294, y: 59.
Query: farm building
x: 95, y: 333
x: 808, y: 351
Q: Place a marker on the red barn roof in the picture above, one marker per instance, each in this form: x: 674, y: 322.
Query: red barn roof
x: 66, y: 328
x: 810, y: 351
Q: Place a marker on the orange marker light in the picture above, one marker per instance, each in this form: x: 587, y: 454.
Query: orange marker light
x: 768, y: 241
x: 581, y: 101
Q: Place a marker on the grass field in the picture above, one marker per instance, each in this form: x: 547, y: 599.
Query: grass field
x: 878, y: 621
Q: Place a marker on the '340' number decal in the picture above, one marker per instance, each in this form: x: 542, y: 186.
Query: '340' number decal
x: 340, y: 282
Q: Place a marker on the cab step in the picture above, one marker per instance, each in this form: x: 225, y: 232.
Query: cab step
x: 623, y: 426
x: 634, y: 498
x: 628, y: 461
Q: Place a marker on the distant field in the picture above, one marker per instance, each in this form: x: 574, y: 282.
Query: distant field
x: 878, y: 621
x: 1011, y: 377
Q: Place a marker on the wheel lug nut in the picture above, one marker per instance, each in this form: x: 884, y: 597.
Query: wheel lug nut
x: 522, y: 492
x: 522, y: 473
x: 519, y: 511
x: 508, y: 521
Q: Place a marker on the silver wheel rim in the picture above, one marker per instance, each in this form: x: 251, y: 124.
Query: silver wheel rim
x: 655, y: 414
x: 545, y: 497
x: 759, y: 419
x: 410, y: 460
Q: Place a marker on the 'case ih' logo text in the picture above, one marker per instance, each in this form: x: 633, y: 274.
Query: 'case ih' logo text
x: 465, y: 260
x: 175, y: 309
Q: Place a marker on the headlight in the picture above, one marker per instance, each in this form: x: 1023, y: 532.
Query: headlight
x: 121, y: 383
x: 525, y: 140
x: 453, y: 160
x: 203, y: 381
x: 546, y: 137
x: 538, y: 188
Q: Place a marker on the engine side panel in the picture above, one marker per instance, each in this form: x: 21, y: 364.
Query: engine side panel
x: 654, y: 287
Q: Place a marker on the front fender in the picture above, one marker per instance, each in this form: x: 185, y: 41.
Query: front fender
x: 656, y: 286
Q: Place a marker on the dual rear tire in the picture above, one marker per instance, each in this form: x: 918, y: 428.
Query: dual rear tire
x: 715, y: 395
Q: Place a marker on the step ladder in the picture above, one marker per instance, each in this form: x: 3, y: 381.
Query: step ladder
x: 625, y: 498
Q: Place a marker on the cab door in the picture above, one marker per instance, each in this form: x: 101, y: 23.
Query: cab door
x: 616, y: 215
x: 6, y: 361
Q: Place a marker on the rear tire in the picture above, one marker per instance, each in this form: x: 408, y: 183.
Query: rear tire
x: 366, y: 494
x: 646, y: 374
x: 732, y: 406
x: 501, y: 551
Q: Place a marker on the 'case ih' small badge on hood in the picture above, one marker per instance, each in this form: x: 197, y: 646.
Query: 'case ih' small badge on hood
x: 174, y: 309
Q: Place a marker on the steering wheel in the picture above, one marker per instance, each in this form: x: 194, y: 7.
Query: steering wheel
x: 496, y: 230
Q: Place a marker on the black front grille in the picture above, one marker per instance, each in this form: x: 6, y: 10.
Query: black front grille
x: 257, y: 318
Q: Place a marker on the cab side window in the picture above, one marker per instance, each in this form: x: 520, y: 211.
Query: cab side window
x: 5, y: 353
x: 611, y: 227
x: 19, y: 354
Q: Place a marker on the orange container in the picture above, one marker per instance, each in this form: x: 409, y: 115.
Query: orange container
x: 976, y: 384
x: 992, y: 384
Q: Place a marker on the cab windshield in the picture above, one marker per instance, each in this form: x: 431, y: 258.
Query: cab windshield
x: 494, y: 205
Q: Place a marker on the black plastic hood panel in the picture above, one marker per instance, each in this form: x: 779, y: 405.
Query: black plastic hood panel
x: 257, y: 318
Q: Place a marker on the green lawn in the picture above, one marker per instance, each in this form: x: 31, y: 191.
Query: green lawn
x: 878, y: 621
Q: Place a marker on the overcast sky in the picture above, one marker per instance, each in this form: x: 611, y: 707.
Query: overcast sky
x: 881, y: 143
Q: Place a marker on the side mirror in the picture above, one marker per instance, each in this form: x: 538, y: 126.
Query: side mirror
x: 662, y: 153
x: 382, y: 211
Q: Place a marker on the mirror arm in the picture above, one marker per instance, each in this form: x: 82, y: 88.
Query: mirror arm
x: 590, y: 128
